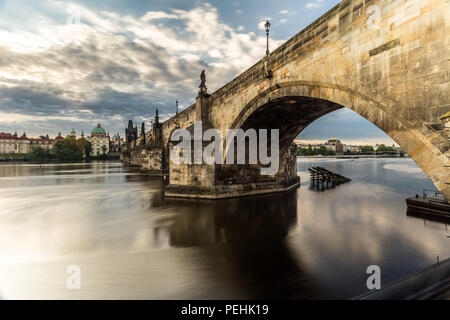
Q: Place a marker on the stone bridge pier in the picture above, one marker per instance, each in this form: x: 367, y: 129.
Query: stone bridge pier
x: 386, y: 60
x: 224, y: 178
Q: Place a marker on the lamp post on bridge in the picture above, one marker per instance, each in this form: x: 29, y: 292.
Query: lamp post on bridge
x: 267, y: 26
x: 267, y: 70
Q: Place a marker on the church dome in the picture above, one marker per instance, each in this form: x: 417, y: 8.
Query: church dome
x: 99, y: 130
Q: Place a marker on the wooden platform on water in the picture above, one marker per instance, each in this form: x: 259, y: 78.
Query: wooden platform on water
x: 431, y: 203
x: 426, y: 206
x: 320, y: 175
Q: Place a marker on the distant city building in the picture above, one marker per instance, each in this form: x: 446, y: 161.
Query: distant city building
x: 11, y: 143
x: 43, y: 142
x: 59, y: 137
x: 7, y: 143
x: 313, y: 146
x: 23, y: 144
x: 116, y: 139
x: 116, y: 145
x: 353, y: 149
x: 72, y: 134
x: 99, y: 140
x: 335, y: 144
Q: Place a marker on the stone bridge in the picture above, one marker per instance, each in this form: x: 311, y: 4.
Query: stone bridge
x: 387, y: 60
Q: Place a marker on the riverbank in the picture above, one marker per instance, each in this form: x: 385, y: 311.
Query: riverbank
x: 370, y: 156
x: 12, y: 157
x: 23, y: 157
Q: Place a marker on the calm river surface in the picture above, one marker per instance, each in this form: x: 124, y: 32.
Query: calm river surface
x: 131, y: 243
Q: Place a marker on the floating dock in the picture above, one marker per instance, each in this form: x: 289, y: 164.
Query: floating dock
x: 430, y: 203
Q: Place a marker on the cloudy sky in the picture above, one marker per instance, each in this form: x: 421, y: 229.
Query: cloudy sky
x: 67, y: 65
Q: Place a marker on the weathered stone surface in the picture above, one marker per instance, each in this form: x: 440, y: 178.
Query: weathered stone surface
x: 396, y: 76
x: 149, y: 159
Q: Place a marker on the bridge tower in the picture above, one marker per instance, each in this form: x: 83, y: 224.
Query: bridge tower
x: 143, y: 132
x: 131, y: 132
x: 157, y: 130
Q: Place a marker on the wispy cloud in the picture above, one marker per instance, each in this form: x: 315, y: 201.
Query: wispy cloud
x: 285, y: 14
x: 115, y: 66
x: 314, y: 4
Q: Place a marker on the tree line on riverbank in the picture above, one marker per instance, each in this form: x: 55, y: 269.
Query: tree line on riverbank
x: 365, y: 150
x: 315, y: 152
x: 67, y: 149
x: 381, y: 150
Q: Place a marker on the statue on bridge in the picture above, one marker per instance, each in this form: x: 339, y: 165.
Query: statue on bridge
x: 202, y: 86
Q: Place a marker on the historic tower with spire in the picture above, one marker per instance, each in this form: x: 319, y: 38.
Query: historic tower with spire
x: 131, y: 133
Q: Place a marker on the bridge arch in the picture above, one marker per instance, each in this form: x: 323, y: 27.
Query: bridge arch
x: 292, y: 105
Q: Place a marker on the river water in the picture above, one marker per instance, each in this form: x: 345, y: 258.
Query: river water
x: 131, y: 243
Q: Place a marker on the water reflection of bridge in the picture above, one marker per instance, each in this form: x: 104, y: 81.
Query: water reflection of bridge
x: 243, y: 243
x: 255, y: 220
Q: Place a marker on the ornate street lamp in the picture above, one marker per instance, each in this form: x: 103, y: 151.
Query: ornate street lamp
x: 267, y: 26
x: 267, y: 69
